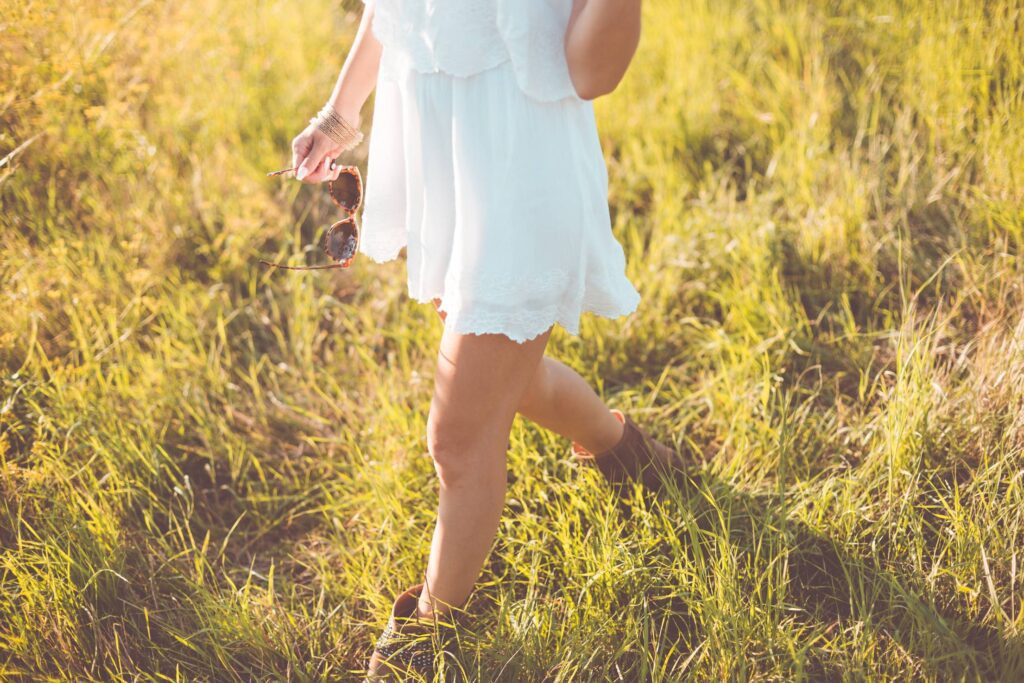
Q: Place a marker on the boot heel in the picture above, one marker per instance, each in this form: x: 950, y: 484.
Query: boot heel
x: 409, y: 644
x: 637, y: 456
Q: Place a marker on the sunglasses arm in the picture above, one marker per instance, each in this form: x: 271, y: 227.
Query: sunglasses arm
x: 324, y: 267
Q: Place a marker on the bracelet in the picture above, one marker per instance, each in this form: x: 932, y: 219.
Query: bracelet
x: 329, y: 122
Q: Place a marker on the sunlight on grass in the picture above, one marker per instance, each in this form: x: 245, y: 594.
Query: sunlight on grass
x: 211, y: 470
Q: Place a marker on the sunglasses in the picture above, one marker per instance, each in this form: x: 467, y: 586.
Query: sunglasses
x: 341, y: 240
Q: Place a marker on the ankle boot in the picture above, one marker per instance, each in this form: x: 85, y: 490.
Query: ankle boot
x: 409, y: 643
x: 637, y: 456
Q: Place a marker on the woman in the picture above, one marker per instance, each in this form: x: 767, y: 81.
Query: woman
x: 485, y: 163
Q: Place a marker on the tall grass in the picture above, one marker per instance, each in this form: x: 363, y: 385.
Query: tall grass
x: 211, y: 471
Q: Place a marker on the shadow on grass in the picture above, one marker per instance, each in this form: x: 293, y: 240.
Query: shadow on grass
x: 836, y: 591
x: 853, y: 614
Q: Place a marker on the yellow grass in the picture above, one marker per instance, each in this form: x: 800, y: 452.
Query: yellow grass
x: 214, y: 471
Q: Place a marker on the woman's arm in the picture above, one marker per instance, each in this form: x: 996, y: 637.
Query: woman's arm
x: 355, y: 83
x: 600, y: 42
x: 359, y: 73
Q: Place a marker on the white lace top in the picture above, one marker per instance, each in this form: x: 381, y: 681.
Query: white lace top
x: 464, y: 37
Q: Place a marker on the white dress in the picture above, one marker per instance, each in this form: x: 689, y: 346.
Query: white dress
x: 486, y: 165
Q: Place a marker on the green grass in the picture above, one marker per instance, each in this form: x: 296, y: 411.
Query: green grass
x: 212, y: 471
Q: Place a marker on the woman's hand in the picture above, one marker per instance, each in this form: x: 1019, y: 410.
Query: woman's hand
x: 312, y: 150
x: 312, y: 154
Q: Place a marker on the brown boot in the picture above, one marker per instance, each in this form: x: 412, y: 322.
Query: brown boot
x: 409, y: 643
x: 637, y: 456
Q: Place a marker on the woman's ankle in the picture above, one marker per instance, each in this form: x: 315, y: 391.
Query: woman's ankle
x: 609, y: 438
x: 439, y: 610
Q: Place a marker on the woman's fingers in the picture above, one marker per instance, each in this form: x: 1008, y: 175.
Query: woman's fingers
x: 301, y: 146
x: 320, y: 173
x: 313, y: 161
x: 312, y: 153
x: 336, y: 172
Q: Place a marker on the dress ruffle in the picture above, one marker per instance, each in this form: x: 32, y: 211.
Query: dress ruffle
x: 500, y: 199
x: 465, y: 37
x: 533, y: 33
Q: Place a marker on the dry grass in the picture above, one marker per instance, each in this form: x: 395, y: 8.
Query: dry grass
x: 211, y: 471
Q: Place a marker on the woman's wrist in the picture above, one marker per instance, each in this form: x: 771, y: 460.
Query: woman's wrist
x: 343, y: 131
x: 346, y: 109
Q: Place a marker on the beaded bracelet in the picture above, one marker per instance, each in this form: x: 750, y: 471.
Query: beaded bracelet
x: 338, y: 129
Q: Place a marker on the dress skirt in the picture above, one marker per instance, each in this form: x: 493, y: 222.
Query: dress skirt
x: 500, y: 200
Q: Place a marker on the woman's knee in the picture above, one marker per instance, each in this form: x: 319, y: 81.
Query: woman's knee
x: 478, y: 383
x: 456, y: 445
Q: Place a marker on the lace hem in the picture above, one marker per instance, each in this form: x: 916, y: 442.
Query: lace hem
x: 527, y: 324
x: 384, y: 252
x: 521, y: 313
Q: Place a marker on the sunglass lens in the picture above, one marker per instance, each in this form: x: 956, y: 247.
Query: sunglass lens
x: 347, y: 189
x: 341, y: 241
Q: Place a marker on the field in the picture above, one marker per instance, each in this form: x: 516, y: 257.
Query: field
x: 212, y: 471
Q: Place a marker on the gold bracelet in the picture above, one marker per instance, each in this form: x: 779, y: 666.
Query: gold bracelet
x: 331, y: 123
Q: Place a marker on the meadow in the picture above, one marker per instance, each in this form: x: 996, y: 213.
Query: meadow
x: 214, y: 471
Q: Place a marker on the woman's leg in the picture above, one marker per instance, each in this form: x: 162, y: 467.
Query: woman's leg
x: 559, y: 399
x: 478, y: 383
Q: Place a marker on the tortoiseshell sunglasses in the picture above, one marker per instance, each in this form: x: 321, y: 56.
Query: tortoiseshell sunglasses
x: 341, y: 240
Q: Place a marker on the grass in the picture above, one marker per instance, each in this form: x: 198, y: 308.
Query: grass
x: 211, y: 471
